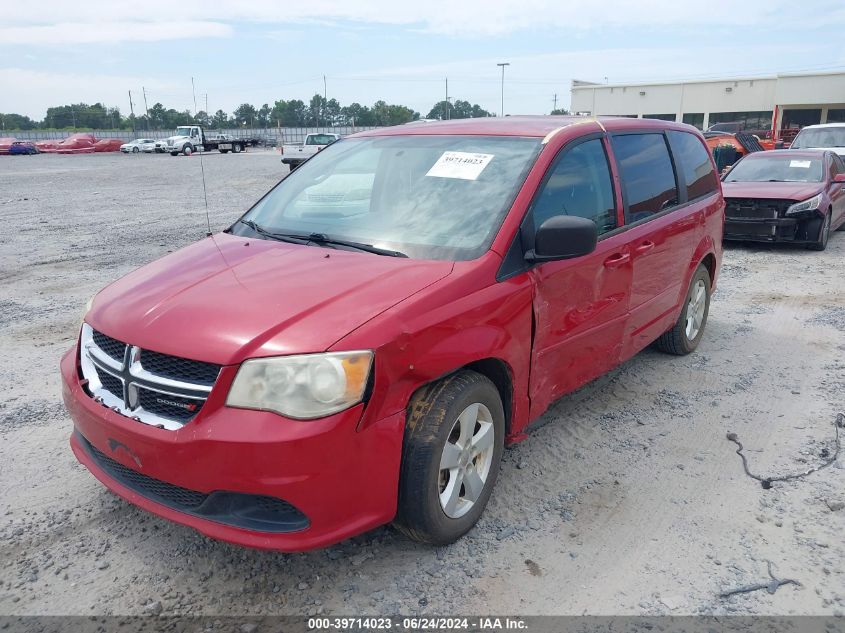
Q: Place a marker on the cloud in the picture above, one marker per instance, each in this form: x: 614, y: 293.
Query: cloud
x: 110, y: 32
x: 164, y: 19
x: 35, y: 90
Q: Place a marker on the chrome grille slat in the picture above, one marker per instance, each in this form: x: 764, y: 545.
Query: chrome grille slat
x: 128, y: 387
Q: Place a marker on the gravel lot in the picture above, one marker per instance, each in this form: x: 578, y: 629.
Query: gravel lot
x: 627, y: 498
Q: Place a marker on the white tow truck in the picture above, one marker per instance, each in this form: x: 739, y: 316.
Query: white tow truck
x: 296, y: 154
x: 191, y: 138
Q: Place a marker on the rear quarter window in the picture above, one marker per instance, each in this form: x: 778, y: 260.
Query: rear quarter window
x: 648, y: 179
x: 693, y: 162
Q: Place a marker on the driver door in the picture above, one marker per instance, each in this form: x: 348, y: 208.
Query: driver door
x: 580, y: 304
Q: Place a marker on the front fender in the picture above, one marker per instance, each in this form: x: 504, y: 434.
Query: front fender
x: 450, y: 327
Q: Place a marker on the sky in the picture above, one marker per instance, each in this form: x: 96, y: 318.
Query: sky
x: 55, y: 52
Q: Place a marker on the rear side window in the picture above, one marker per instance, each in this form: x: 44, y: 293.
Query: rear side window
x: 693, y: 162
x: 579, y: 184
x: 648, y: 179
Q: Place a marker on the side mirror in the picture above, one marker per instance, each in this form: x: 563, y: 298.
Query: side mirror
x: 563, y: 237
x: 839, y: 178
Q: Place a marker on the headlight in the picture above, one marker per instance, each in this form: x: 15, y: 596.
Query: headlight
x: 302, y: 387
x: 808, y: 205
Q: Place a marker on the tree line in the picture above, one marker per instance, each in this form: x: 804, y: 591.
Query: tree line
x: 317, y: 112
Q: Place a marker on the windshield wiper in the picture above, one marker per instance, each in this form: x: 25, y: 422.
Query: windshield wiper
x: 322, y: 238
x: 281, y: 237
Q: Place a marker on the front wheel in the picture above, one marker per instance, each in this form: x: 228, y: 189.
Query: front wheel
x: 450, y: 457
x: 685, y: 335
x: 188, y: 149
x: 135, y: 150
x: 824, y: 235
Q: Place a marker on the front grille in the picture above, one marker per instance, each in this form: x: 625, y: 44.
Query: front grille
x: 111, y: 384
x: 175, y: 368
x: 252, y: 512
x: 168, y: 406
x: 154, y: 388
x: 110, y: 346
x: 756, y: 208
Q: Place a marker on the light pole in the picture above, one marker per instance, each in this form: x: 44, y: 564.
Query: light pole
x: 503, y: 86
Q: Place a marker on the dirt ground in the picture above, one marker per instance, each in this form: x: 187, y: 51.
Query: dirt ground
x: 627, y: 498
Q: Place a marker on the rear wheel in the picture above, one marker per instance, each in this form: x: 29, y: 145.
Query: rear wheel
x: 236, y: 148
x: 450, y: 458
x: 685, y: 335
x: 824, y: 234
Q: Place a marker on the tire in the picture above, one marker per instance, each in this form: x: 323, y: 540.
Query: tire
x: 223, y: 151
x: 684, y: 337
x: 135, y: 150
x: 174, y: 153
x: 187, y: 149
x: 434, y: 507
x: 236, y: 148
x: 821, y: 244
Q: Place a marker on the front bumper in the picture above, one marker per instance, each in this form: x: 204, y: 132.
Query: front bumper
x: 331, y: 479
x: 794, y: 230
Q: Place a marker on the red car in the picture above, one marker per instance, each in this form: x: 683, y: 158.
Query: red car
x: 795, y: 196
x: 361, y: 345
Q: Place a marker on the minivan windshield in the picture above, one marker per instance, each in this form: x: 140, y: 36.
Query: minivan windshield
x: 425, y: 196
x: 820, y: 137
x: 784, y: 168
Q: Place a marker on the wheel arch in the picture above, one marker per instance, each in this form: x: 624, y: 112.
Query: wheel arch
x: 494, y: 369
x: 709, y: 262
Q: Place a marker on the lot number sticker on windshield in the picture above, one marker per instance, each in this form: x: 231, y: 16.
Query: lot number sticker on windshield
x: 800, y: 163
x: 463, y: 165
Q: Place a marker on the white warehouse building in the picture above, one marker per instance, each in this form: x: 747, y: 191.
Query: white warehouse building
x: 783, y: 102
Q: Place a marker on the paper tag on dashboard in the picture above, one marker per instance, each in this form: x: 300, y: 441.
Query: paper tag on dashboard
x: 463, y: 165
x: 804, y: 164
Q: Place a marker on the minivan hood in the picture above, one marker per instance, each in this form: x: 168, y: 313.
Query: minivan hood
x: 227, y: 298
x: 776, y: 190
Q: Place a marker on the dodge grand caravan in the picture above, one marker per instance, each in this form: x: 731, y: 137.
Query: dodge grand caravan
x: 358, y: 348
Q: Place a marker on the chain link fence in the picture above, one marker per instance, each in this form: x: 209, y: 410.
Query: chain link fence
x: 277, y: 135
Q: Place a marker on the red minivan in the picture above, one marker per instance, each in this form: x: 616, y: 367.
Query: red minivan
x: 361, y: 345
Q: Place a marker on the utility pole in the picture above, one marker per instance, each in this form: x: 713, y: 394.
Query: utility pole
x: 502, y: 113
x: 325, y: 101
x: 447, y: 115
x: 146, y: 110
x: 132, y: 110
x: 555, y: 103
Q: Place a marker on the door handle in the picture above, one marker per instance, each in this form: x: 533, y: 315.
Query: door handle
x: 616, y: 260
x: 645, y: 247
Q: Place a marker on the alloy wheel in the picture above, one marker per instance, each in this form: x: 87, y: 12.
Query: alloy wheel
x: 695, y: 309
x: 466, y: 460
